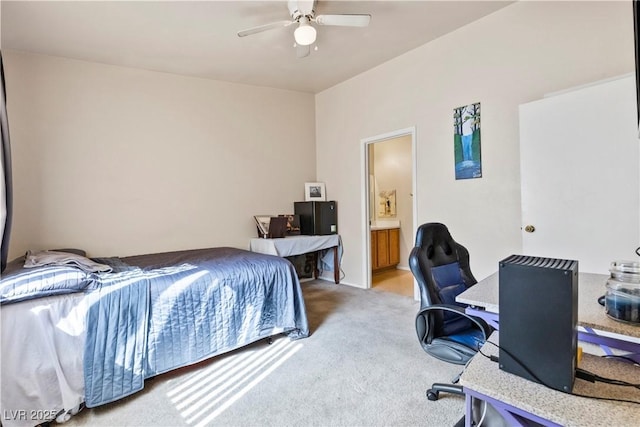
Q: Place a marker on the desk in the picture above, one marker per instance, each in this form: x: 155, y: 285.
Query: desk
x: 513, y: 396
x: 594, y: 325
x: 298, y: 245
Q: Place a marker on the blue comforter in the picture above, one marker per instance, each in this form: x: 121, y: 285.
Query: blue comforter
x: 181, y: 308
x: 158, y: 312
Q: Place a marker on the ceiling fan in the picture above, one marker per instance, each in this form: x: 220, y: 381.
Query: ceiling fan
x: 303, y: 13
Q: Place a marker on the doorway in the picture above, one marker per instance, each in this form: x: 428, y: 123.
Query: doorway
x: 389, y: 210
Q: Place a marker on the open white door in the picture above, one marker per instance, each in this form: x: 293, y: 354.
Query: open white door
x: 580, y: 175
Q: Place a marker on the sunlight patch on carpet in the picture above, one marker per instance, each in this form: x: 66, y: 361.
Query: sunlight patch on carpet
x: 204, y: 395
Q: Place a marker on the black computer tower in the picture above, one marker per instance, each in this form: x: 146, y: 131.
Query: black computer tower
x: 538, y: 303
x: 317, y: 218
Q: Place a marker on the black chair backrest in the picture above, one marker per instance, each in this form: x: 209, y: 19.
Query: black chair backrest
x: 441, y: 268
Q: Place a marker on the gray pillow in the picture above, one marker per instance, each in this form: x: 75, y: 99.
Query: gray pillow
x: 28, y: 283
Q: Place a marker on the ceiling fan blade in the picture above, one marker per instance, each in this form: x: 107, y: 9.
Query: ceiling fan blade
x: 344, y: 20
x: 303, y: 51
x: 261, y: 28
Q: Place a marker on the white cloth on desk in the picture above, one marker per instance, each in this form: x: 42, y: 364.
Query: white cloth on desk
x: 294, y: 245
x: 325, y: 260
x: 297, y: 245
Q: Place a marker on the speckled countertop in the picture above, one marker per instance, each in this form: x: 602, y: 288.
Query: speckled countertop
x: 484, y: 376
x: 382, y: 227
x: 483, y: 294
x: 591, y: 314
x: 384, y: 224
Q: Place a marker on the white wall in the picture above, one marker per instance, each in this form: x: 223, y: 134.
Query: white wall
x: 3, y: 202
x: 513, y: 56
x: 121, y: 161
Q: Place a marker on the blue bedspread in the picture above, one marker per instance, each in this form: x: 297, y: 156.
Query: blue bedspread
x: 181, y: 308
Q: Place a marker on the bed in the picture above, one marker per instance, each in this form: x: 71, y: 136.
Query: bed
x: 74, y: 336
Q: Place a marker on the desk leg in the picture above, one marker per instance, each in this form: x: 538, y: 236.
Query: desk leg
x: 468, y: 413
x: 336, y: 266
x: 512, y: 415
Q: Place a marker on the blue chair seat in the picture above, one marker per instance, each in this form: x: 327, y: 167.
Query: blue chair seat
x: 472, y: 338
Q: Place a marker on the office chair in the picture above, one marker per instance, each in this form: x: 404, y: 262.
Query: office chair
x: 441, y: 268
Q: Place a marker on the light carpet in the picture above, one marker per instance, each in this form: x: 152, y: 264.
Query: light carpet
x: 362, y: 365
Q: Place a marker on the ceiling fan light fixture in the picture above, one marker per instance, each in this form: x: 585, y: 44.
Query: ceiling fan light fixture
x: 305, y: 34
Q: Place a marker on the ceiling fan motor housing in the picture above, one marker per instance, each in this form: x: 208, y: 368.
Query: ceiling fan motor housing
x: 299, y: 8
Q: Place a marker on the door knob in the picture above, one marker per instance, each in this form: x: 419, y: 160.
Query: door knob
x: 529, y: 228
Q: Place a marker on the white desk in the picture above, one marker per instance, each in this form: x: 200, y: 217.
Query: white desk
x: 297, y: 245
x: 482, y: 299
x: 513, y: 396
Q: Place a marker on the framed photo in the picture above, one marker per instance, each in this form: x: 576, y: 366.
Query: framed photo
x: 262, y: 223
x: 387, y: 204
x: 314, y: 191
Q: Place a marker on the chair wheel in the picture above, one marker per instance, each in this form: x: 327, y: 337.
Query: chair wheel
x: 433, y: 395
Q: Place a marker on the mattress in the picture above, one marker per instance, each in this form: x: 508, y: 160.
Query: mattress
x: 171, y: 310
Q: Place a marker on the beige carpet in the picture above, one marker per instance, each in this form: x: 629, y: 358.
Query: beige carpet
x: 362, y: 366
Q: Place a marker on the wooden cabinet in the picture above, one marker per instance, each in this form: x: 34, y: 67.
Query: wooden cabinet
x: 385, y: 248
x: 394, y: 246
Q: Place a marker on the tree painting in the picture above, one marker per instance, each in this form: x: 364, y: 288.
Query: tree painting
x: 466, y: 141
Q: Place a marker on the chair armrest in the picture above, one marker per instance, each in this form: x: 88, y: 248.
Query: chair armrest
x: 480, y: 323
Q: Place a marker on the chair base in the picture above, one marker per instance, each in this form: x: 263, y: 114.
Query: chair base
x: 434, y: 392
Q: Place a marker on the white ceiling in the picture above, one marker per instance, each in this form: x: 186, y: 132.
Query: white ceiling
x: 199, y: 38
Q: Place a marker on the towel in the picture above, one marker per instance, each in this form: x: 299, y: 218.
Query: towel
x: 42, y: 258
